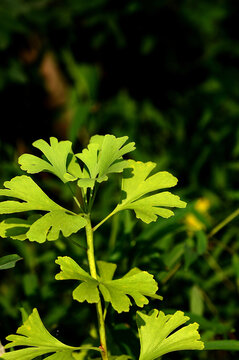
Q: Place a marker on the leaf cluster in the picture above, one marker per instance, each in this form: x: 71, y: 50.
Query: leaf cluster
x: 140, y: 192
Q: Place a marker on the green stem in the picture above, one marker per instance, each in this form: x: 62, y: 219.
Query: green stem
x: 226, y: 221
x: 92, y: 266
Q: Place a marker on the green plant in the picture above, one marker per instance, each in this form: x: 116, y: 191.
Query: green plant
x: 140, y: 192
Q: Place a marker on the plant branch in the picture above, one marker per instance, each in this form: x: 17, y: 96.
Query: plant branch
x: 105, y: 219
x: 226, y: 221
x: 92, y: 266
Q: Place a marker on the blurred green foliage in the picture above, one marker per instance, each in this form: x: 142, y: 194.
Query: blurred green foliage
x: 166, y: 74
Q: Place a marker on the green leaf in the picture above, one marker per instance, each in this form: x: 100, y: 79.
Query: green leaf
x: 158, y: 336
x: 139, y: 192
x: 16, y: 228
x: 56, y: 154
x: 37, y: 341
x: 70, y: 270
x: 196, y: 300
x: 136, y: 283
x: 31, y: 197
x: 232, y: 345
x: 48, y: 227
x: 102, y: 157
x: 74, y: 169
x: 9, y: 261
x: 202, y: 242
x: 111, y: 149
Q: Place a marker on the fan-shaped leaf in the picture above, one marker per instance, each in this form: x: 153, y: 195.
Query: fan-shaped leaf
x: 102, y: 157
x: 136, y: 283
x: 139, y: 192
x: 70, y: 270
x: 56, y: 154
x: 31, y: 197
x: 158, y: 336
x: 16, y: 228
x: 38, y: 341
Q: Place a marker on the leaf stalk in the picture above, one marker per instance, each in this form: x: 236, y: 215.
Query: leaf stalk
x: 222, y: 224
x: 92, y: 266
x: 105, y: 219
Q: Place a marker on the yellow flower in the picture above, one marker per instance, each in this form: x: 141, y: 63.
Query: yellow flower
x: 202, y: 205
x: 192, y: 222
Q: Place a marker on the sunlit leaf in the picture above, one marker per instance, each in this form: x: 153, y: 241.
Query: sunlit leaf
x: 70, y: 270
x: 159, y: 335
x: 31, y: 197
x: 111, y: 149
x: 139, y: 192
x: 102, y: 157
x: 17, y: 228
x: 37, y: 341
x: 29, y: 194
x: 136, y: 283
x: 9, y: 261
x: 56, y: 154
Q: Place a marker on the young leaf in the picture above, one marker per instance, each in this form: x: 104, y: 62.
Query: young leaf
x: 31, y: 197
x: 158, y: 336
x: 102, y: 157
x: 9, y: 261
x: 139, y: 190
x: 56, y: 153
x: 37, y: 341
x: 136, y: 283
x: 111, y: 150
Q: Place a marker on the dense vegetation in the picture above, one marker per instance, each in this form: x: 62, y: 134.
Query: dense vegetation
x: 166, y: 74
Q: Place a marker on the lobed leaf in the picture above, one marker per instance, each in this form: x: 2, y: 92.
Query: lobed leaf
x: 70, y: 270
x: 102, y: 157
x: 37, y: 341
x: 16, y: 228
x: 158, y: 334
x: 41, y: 228
x: 139, y: 191
x: 136, y: 283
x: 30, y: 195
x: 48, y: 227
x: 56, y: 154
x: 111, y: 149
